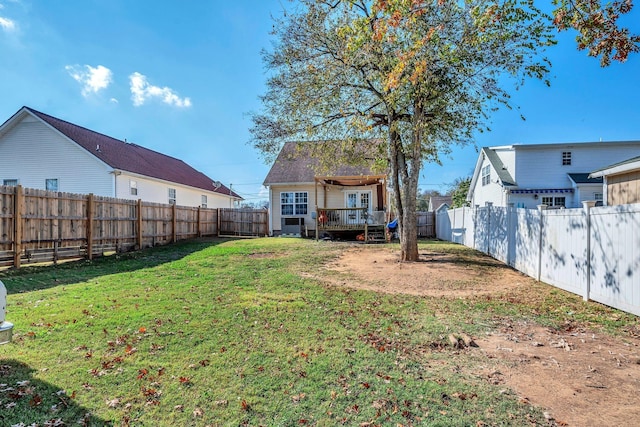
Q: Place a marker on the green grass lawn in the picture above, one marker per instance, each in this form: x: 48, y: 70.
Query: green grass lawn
x: 237, y: 332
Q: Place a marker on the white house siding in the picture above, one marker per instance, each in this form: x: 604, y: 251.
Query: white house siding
x: 32, y: 152
x: 274, y: 203
x: 157, y: 191
x: 493, y: 191
x: 541, y: 167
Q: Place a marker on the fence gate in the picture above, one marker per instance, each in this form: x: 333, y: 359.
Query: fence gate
x: 426, y: 224
x: 244, y: 222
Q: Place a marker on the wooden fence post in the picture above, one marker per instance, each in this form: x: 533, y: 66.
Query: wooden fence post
x: 139, y: 223
x: 89, y: 233
x: 17, y: 226
x: 174, y: 223
x: 218, y: 219
x: 198, y: 232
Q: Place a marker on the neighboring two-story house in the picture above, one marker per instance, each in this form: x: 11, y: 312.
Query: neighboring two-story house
x: 43, y: 152
x: 556, y: 175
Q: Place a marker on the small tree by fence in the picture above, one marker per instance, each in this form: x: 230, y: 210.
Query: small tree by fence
x: 592, y: 252
x: 42, y: 226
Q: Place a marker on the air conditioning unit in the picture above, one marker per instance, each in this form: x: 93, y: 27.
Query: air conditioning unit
x: 5, y: 327
x: 292, y: 226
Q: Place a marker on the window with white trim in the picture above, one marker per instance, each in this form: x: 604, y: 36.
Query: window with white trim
x: 566, y: 158
x: 172, y: 196
x: 10, y: 182
x: 133, y: 188
x: 203, y: 201
x: 554, y: 201
x: 293, y: 203
x: 51, y: 184
x: 486, y: 175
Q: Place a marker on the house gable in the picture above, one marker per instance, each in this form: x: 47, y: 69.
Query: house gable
x: 31, y: 153
x: 296, y: 163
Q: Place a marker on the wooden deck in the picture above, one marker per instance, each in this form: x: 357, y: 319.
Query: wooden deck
x: 372, y: 224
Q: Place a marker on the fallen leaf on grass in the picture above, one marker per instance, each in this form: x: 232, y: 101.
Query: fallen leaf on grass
x: 113, y: 403
x: 35, y: 401
x: 198, y: 412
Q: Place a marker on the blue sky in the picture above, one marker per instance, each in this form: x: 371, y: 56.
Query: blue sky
x: 180, y: 78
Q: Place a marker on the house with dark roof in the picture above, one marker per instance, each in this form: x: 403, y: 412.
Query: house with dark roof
x: 436, y: 201
x: 621, y: 182
x: 308, y: 198
x: 41, y: 151
x: 555, y: 175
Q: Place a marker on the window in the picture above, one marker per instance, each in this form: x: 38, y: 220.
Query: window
x: 486, y: 175
x: 10, y: 182
x: 554, y: 201
x: 51, y: 184
x: 566, y: 158
x: 293, y: 203
x: 133, y: 188
x: 598, y: 197
x: 172, y: 196
x: 203, y: 201
x: 364, y: 200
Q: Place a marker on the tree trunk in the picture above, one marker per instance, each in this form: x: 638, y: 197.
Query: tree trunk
x: 409, y: 225
x: 405, y: 189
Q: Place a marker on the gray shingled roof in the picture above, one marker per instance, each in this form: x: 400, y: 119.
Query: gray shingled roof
x: 499, y: 167
x: 583, y: 178
x: 131, y: 157
x: 296, y: 164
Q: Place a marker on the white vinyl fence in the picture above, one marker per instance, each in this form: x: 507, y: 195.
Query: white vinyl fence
x: 593, y: 252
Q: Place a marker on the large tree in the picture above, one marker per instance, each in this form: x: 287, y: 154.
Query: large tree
x: 410, y: 76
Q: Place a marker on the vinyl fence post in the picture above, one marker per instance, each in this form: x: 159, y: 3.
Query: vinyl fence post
x: 488, y: 205
x: 475, y: 224
x: 587, y: 205
x: 541, y: 209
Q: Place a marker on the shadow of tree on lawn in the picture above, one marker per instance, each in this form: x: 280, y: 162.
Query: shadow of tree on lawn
x: 43, y: 277
x: 27, y: 401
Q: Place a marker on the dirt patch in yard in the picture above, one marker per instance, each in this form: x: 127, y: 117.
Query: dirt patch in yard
x: 436, y: 274
x: 579, y: 377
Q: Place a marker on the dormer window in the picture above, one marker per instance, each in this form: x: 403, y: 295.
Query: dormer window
x: 566, y: 158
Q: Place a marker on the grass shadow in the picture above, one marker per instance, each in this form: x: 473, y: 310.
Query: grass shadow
x: 30, y: 401
x: 43, y: 277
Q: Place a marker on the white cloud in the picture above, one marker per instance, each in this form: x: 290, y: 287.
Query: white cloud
x: 7, y: 24
x: 92, y: 79
x: 114, y: 101
x: 141, y: 91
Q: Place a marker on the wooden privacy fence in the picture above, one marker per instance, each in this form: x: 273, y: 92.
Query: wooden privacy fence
x: 426, y: 224
x: 43, y: 226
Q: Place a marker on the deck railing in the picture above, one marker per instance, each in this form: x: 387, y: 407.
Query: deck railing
x: 349, y: 219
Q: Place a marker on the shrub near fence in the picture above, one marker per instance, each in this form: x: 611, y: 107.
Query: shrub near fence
x: 593, y: 252
x: 43, y: 226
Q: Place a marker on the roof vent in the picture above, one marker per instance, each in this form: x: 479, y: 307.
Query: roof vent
x: 98, y: 147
